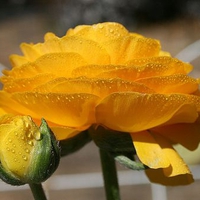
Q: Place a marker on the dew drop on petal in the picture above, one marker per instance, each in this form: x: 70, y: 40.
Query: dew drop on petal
x: 30, y: 143
x: 37, y: 135
x: 24, y: 157
x: 27, y: 151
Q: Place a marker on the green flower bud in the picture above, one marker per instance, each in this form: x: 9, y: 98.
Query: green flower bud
x: 28, y: 154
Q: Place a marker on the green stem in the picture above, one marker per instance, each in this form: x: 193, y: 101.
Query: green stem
x: 37, y: 191
x: 110, y: 176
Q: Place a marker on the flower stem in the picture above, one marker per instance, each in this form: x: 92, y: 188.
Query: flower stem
x: 37, y: 191
x: 110, y: 176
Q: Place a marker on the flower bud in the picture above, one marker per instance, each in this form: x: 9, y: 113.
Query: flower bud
x: 28, y: 154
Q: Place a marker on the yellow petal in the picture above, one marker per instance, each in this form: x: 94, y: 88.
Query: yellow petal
x: 101, y: 32
x: 72, y: 110
x: 50, y: 36
x: 174, y: 65
x: 171, y: 84
x: 30, y: 53
x: 178, y: 166
x: 92, y: 71
x: 98, y: 87
x: 63, y: 133
x: 127, y: 48
x: 149, y: 151
x: 195, y: 99
x: 27, y: 84
x: 176, y: 172
x: 135, y: 73
x: 50, y: 46
x: 76, y: 30
x: 59, y: 64
x: 157, y: 176
x: 133, y: 112
x: 91, y: 51
x: 17, y: 60
x: 8, y: 105
x: 128, y: 72
x: 184, y: 134
x: 164, y: 53
x: 2, y: 111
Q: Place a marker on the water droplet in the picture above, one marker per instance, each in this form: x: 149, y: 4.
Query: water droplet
x: 29, y: 135
x: 13, y: 151
x: 30, y: 143
x: 22, y: 137
x: 8, y: 149
x: 27, y: 151
x: 37, y: 135
x: 101, y: 26
x: 16, y: 134
x: 27, y: 125
x: 24, y: 157
x: 10, y: 140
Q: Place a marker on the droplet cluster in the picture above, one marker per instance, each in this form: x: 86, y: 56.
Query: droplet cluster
x: 19, y: 144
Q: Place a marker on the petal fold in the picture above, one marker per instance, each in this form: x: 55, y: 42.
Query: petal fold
x: 158, y: 176
x: 186, y: 134
x: 177, y: 173
x: 58, y: 64
x: 98, y: 87
x: 133, y: 112
x: 101, y: 32
x: 166, y: 166
x: 71, y: 110
x: 126, y: 48
x: 171, y: 84
x: 149, y: 151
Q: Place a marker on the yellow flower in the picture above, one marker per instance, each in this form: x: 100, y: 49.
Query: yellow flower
x: 105, y: 75
x: 28, y: 154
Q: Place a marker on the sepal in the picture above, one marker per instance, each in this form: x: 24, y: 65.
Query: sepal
x: 112, y: 141
x: 118, y: 144
x: 75, y: 143
x: 46, y: 156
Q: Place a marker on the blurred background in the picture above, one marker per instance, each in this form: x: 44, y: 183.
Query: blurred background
x: 176, y: 23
